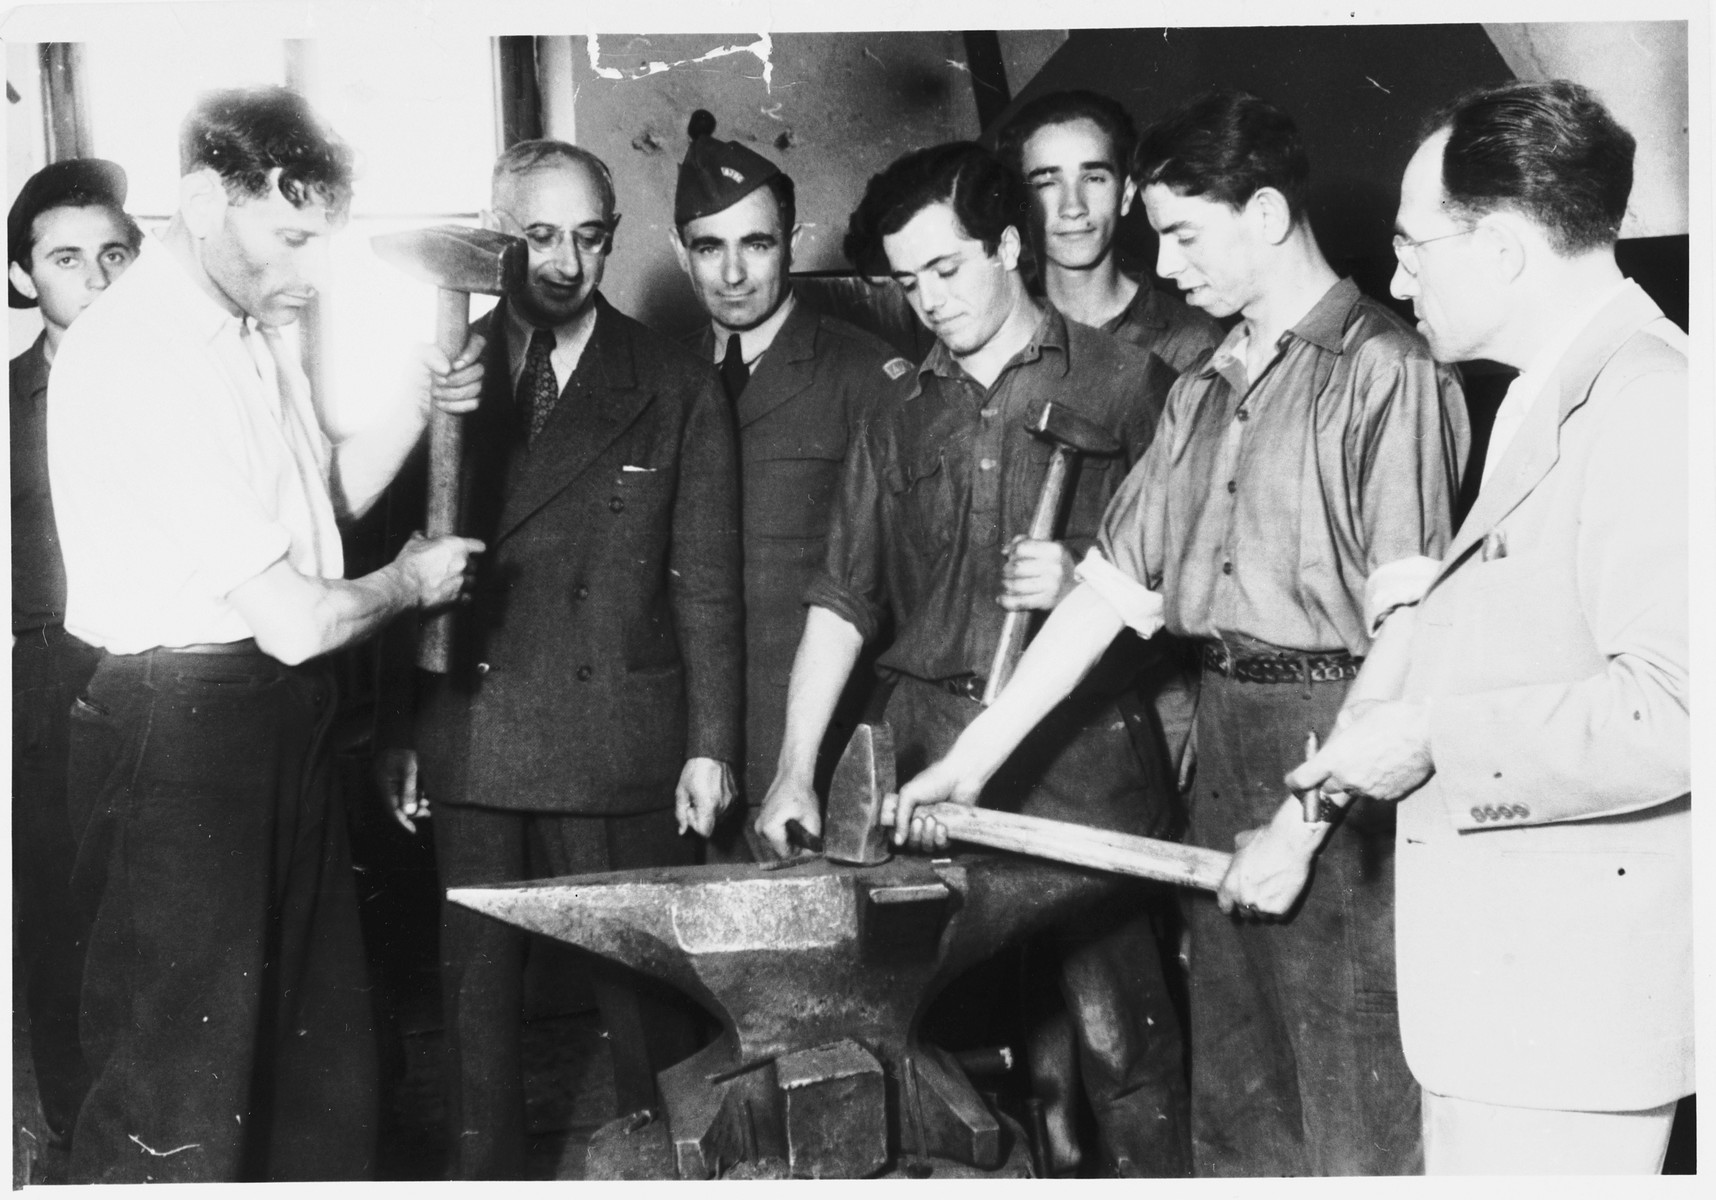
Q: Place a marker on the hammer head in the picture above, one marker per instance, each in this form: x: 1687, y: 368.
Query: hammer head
x: 1061, y: 426
x: 852, y: 827
x: 456, y: 258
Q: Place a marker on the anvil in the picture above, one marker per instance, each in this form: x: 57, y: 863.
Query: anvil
x: 811, y: 965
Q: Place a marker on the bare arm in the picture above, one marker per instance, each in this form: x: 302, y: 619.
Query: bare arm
x: 296, y: 617
x: 1063, y: 652
x: 827, y: 652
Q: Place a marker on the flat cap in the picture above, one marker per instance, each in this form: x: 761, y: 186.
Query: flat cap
x: 716, y: 174
x: 86, y: 180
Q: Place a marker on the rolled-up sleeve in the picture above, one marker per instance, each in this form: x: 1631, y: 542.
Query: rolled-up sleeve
x: 852, y: 583
x: 1409, y: 451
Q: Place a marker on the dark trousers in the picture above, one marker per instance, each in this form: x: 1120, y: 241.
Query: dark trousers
x: 226, y: 1015
x: 649, y: 1027
x: 1296, y: 1061
x: 49, y: 668
x: 1083, y: 764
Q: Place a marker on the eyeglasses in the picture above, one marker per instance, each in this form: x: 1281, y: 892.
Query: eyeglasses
x: 1406, y: 249
x: 547, y: 239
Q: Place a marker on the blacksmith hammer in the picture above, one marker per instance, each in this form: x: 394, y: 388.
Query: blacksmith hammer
x: 459, y: 261
x: 853, y: 832
x: 1069, y: 434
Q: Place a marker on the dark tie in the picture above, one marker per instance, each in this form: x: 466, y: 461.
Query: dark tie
x: 537, y: 390
x: 734, y: 373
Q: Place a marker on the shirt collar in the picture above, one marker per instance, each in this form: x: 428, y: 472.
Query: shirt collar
x: 578, y: 327
x: 1324, y: 327
x: 1051, y: 334
x: 185, y: 304
x: 1543, y: 363
x: 753, y: 342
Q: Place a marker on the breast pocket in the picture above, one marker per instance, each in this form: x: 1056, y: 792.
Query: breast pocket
x: 923, y: 490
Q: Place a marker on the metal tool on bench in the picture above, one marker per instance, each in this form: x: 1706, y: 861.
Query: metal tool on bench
x: 820, y: 977
x: 1070, y: 434
x: 460, y: 262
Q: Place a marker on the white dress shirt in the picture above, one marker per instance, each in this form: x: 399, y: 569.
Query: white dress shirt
x: 569, y: 342
x: 185, y: 459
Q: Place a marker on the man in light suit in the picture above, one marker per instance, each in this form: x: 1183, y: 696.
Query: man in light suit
x: 592, y: 714
x: 1533, y: 718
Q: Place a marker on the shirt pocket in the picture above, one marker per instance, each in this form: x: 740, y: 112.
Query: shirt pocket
x: 922, y: 489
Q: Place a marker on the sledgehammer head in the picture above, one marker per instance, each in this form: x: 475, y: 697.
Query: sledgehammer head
x: 456, y: 258
x: 1059, y: 425
x: 852, y: 827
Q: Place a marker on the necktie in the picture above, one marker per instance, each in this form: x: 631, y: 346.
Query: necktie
x: 537, y: 389
x: 734, y: 373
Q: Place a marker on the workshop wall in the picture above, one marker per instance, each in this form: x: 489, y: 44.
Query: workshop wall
x: 831, y: 109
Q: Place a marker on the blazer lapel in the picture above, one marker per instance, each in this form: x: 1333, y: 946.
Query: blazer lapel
x: 1537, y: 445
x: 599, y: 403
x: 786, y: 369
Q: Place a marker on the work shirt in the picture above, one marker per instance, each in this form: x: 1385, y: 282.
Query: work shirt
x: 179, y: 471
x: 1164, y: 324
x: 38, y: 576
x: 1298, y: 509
x: 934, y: 490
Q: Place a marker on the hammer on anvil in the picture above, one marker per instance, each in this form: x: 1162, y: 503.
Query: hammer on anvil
x: 853, y: 831
x: 459, y: 261
x: 1070, y: 434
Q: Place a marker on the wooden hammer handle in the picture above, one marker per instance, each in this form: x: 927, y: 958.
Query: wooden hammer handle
x: 446, y: 458
x: 1080, y: 845
x: 1018, y: 621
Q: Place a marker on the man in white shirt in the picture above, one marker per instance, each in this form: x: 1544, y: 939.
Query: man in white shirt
x: 1533, y: 716
x: 224, y: 1012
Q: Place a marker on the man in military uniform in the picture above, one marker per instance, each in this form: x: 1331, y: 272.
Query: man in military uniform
x: 803, y: 385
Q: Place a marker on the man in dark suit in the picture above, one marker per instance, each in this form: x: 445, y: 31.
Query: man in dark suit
x: 593, y: 709
x: 803, y: 385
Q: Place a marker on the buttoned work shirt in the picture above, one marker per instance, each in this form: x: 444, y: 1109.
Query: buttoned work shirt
x: 1297, y: 509
x: 38, y: 578
x: 937, y: 486
x: 180, y: 470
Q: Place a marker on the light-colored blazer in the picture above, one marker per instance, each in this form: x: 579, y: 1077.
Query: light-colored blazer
x: 1544, y: 911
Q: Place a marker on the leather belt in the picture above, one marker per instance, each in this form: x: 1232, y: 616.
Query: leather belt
x: 1281, y: 668
x: 969, y: 686
x: 247, y: 646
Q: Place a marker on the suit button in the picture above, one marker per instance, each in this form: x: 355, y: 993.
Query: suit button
x: 615, y: 504
x: 581, y: 592
x: 482, y: 668
x: 1232, y: 486
x: 1243, y: 415
x: 1478, y: 815
x: 1227, y: 568
x: 584, y: 674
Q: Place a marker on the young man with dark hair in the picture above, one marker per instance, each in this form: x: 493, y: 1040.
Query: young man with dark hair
x: 1299, y: 489
x: 592, y: 714
x: 927, y: 529
x: 1073, y: 149
x: 225, y: 1006
x: 1535, y: 725
x: 68, y: 237
x: 803, y: 385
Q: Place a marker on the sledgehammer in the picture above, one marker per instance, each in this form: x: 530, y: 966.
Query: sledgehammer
x: 1069, y: 434
x: 458, y: 261
x: 853, y: 831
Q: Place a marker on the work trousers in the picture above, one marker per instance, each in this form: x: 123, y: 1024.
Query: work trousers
x: 1297, y: 1067
x: 649, y: 1027
x: 226, y: 1014
x: 49, y: 668
x: 1082, y: 764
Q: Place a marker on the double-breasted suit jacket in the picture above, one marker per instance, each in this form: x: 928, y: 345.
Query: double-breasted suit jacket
x: 820, y: 382
x: 603, y: 643
x: 1544, y: 919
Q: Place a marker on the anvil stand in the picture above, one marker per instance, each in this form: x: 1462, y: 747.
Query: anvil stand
x: 820, y: 975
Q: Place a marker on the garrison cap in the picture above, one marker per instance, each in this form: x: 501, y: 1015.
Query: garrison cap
x: 716, y: 174
x: 85, y: 180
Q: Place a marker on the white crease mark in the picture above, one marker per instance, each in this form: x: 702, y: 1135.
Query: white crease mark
x: 1378, y: 86
x: 163, y: 1153
x: 959, y: 66
x: 762, y: 48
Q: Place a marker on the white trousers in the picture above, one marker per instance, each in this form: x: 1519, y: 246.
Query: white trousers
x: 1469, y: 1137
